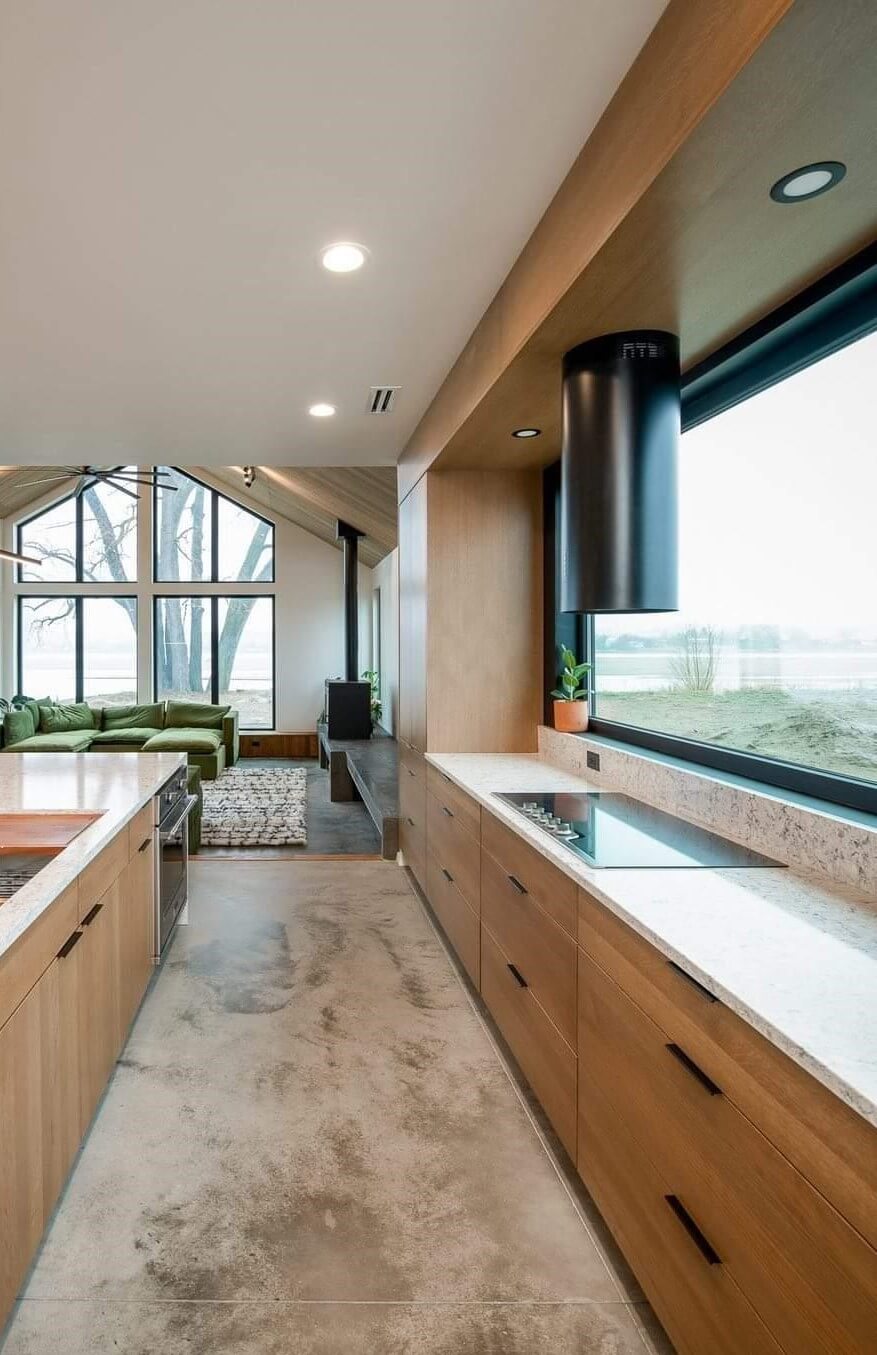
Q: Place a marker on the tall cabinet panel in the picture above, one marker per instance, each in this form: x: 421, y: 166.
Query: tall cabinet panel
x: 412, y: 616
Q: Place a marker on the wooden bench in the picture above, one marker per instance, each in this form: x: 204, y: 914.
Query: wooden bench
x: 367, y: 770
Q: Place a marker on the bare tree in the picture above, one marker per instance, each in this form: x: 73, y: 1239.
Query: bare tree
x: 695, y: 668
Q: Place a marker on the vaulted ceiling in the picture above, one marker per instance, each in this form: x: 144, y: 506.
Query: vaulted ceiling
x: 314, y: 499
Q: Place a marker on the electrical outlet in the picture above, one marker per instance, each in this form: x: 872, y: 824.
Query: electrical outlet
x: 593, y: 760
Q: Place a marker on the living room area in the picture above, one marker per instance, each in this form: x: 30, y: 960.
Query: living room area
x: 201, y: 611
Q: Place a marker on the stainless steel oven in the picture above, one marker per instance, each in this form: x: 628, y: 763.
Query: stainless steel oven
x: 173, y: 807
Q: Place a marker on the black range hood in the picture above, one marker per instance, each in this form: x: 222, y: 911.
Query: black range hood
x: 619, y: 512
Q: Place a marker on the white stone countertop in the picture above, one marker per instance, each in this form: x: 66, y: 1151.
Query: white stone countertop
x: 115, y: 785
x: 794, y: 956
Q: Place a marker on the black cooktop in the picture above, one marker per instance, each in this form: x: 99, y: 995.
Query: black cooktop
x: 611, y: 830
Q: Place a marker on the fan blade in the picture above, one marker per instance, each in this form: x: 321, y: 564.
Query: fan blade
x: 21, y: 559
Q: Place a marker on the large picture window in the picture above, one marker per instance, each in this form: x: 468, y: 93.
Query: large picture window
x: 78, y: 649
x: 89, y: 537
x: 218, y: 650
x: 769, y: 668
x: 203, y: 537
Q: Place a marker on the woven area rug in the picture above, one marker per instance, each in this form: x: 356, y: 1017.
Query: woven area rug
x: 256, y: 807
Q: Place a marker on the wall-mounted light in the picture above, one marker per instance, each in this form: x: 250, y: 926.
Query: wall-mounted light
x: 249, y: 473
x: 527, y: 433
x: 810, y: 181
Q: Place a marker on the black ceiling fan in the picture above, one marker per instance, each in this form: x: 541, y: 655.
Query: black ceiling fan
x: 125, y: 479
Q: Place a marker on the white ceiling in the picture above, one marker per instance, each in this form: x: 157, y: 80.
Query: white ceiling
x: 169, y: 170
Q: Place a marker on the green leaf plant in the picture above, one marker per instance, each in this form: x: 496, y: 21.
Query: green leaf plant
x: 570, y: 679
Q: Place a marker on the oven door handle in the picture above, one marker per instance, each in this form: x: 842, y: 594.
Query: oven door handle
x: 165, y: 833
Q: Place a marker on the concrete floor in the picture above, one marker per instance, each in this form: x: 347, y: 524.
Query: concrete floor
x: 333, y: 829
x: 312, y: 1145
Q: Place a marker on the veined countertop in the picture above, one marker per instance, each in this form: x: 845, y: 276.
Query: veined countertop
x: 794, y: 957
x: 115, y: 785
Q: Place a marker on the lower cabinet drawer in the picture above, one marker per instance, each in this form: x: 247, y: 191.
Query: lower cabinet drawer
x: 832, y: 1146
x: 546, y: 1060
x: 460, y: 923
x: 691, y: 1290
x: 541, y: 950
x: 455, y: 849
x: 412, y: 827
x: 809, y: 1275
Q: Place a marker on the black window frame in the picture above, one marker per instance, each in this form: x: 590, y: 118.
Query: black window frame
x: 215, y: 496
x: 214, y: 600
x: 78, y: 600
x: 78, y: 543
x: 826, y: 317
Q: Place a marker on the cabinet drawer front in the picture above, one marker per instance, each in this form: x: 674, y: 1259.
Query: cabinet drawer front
x: 412, y: 838
x: 543, y: 953
x: 455, y: 802
x: 697, y: 1300
x: 140, y: 828
x: 102, y: 872
x: 35, y: 950
x: 804, y: 1269
x: 412, y: 804
x: 546, y: 1060
x: 459, y: 922
x: 412, y: 764
x: 552, y: 890
x: 455, y: 849
x: 832, y: 1146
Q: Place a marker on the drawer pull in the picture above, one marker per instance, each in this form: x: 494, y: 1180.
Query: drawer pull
x: 704, y: 992
x: 409, y: 771
x: 515, y: 882
x: 447, y: 811
x: 709, y: 1254
x: 518, y: 976
x: 448, y: 876
x: 698, y: 1073
x: 91, y: 915
x: 68, y: 945
x: 144, y: 845
x: 411, y: 821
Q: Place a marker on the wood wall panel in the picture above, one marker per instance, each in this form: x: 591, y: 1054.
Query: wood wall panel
x: 301, y: 745
x: 413, y: 548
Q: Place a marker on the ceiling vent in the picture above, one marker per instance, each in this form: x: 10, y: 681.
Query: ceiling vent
x: 382, y: 399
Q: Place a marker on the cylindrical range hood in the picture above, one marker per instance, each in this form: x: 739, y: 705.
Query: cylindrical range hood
x: 619, y: 512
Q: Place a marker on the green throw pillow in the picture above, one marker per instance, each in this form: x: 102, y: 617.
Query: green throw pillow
x: 18, y: 725
x: 194, y: 715
x: 134, y: 717
x: 63, y: 719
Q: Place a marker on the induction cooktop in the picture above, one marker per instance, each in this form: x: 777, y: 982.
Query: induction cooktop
x: 607, y: 829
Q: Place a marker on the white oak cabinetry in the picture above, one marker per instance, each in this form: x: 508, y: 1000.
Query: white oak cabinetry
x: 69, y: 990
x: 742, y: 1191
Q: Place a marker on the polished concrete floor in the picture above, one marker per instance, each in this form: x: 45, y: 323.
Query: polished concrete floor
x: 311, y: 1144
x: 333, y: 829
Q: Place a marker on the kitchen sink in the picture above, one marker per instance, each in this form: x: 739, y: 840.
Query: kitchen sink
x: 30, y: 839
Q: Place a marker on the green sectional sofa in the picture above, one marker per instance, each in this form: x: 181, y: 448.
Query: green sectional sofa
x: 208, y: 735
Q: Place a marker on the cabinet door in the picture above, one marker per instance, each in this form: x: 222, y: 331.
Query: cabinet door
x: 98, y: 1008
x: 27, y: 1068
x: 135, y: 930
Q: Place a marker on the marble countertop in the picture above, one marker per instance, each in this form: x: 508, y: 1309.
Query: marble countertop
x: 792, y: 955
x: 115, y: 785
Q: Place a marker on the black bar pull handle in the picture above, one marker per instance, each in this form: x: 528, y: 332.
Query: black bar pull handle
x: 708, y: 1252
x: 449, y: 812
x: 683, y: 974
x: 688, y: 1063
x: 410, y: 772
x: 448, y: 876
x: 68, y: 945
x: 91, y: 915
x: 518, y: 976
x: 515, y: 882
x: 411, y: 821
x: 144, y: 845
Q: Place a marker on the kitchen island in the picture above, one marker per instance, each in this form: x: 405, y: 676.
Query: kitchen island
x: 76, y: 947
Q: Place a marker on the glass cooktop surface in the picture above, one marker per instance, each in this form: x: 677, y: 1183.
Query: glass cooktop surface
x: 608, y: 829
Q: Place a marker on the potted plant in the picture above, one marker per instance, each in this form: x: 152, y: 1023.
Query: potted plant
x: 571, y: 698
x: 374, y: 678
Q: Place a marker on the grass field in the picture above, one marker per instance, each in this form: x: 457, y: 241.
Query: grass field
x: 831, y: 731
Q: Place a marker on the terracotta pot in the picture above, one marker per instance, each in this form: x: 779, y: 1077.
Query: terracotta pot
x: 571, y: 717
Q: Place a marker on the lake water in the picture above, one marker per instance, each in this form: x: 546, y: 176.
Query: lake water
x: 652, y: 670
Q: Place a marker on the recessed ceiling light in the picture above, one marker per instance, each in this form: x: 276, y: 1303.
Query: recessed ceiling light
x: 810, y: 181
x: 343, y: 257
x: 321, y: 411
x: 526, y: 432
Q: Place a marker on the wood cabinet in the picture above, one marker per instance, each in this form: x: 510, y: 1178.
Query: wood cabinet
x: 412, y: 617
x: 459, y: 920
x: 455, y: 849
x: 69, y: 989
